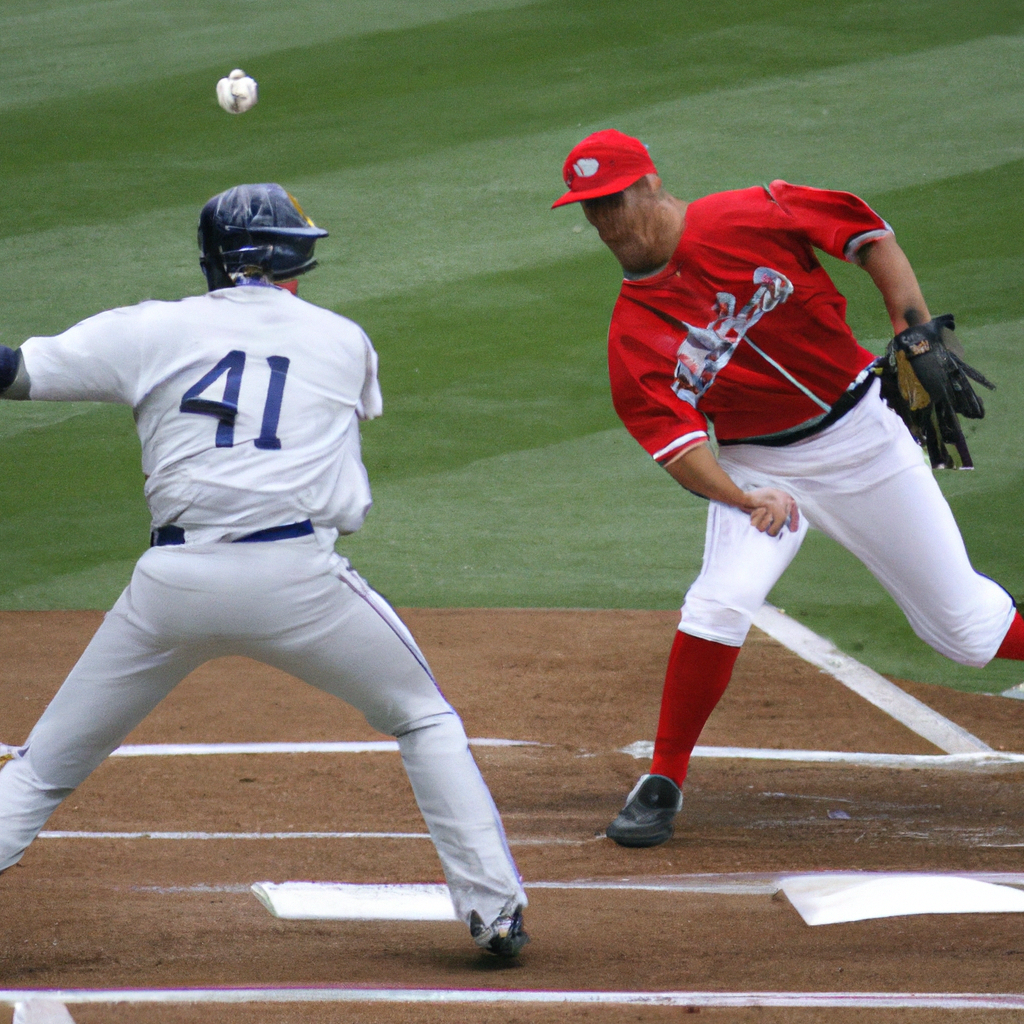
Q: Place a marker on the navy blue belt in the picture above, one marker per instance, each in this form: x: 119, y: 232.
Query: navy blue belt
x: 165, y: 535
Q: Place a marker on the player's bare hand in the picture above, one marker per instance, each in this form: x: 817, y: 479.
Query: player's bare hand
x: 771, y: 510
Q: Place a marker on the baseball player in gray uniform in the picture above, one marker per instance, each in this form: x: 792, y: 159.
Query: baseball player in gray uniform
x: 247, y: 402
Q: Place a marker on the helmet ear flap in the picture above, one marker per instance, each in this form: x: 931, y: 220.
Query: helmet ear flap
x: 210, y: 261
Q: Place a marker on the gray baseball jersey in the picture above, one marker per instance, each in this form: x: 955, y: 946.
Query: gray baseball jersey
x: 246, y: 400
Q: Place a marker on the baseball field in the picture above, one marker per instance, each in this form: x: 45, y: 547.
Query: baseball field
x: 534, y: 548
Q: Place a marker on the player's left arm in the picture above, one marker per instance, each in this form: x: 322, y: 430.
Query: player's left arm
x: 925, y: 377
x: 844, y: 226
x: 894, y: 277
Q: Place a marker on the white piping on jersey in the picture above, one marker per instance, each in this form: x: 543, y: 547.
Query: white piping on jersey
x: 792, y: 380
x: 854, y: 245
x: 679, y: 442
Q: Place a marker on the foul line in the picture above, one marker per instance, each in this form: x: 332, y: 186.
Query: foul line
x: 865, y: 1000
x: 639, y: 749
x: 874, y: 688
x: 327, y: 747
x: 233, y: 835
x: 542, y: 841
x: 977, y: 759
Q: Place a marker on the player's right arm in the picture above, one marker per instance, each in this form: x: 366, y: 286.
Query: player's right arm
x: 675, y: 434
x: 699, y: 471
x: 97, y: 360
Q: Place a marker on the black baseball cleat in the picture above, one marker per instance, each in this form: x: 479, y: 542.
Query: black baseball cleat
x: 646, y: 820
x: 504, y: 936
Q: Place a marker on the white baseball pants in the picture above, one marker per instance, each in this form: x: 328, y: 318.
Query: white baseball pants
x: 289, y: 604
x: 864, y: 483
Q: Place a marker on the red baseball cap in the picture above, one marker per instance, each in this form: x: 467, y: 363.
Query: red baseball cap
x: 603, y: 163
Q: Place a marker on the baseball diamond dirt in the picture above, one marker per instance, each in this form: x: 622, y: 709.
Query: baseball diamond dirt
x: 115, y: 913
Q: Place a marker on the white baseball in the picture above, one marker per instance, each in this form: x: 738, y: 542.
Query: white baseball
x: 237, y: 93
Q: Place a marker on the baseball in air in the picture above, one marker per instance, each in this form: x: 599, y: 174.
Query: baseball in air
x: 237, y: 93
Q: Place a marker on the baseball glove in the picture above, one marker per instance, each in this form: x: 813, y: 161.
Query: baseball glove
x: 927, y: 382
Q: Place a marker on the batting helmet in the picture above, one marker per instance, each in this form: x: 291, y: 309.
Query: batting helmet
x: 255, y: 228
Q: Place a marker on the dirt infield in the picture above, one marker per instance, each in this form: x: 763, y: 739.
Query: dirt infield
x: 150, y: 913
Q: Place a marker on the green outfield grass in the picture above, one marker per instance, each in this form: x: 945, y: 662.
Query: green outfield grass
x: 429, y: 138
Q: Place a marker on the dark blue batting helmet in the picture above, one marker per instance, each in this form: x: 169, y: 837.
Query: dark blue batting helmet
x: 252, y: 229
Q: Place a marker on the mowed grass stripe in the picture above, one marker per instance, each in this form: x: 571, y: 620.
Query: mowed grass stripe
x: 349, y: 102
x: 16, y: 419
x: 57, y: 48
x: 841, y: 128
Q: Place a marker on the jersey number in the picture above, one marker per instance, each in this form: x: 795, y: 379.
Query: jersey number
x: 225, y: 410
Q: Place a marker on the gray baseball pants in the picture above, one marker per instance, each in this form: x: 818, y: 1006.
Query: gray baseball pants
x: 296, y: 607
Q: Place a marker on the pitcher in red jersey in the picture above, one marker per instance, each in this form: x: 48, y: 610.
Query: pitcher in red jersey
x: 726, y: 317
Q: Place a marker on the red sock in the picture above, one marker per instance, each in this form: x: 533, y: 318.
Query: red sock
x: 1013, y: 643
x: 698, y: 673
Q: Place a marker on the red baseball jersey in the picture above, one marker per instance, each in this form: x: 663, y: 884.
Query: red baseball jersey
x: 743, y: 327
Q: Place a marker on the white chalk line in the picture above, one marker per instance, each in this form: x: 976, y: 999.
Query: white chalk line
x: 975, y: 759
x: 231, y: 835
x: 866, y: 682
x: 639, y: 749
x: 325, y: 747
x: 271, y: 994
x: 202, y: 836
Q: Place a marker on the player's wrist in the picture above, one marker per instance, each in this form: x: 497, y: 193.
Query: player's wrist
x: 14, y: 379
x: 753, y: 500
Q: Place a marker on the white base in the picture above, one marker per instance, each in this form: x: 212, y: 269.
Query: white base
x: 834, y: 898
x: 339, y: 901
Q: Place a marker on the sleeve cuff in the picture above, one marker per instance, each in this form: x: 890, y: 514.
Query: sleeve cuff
x: 680, y: 446
x: 854, y: 245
